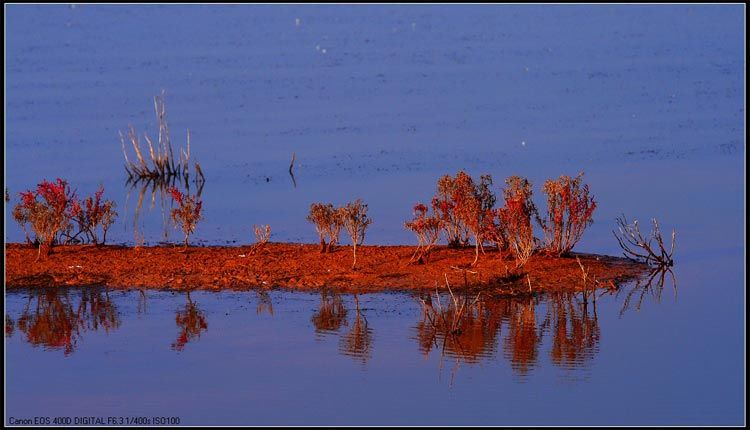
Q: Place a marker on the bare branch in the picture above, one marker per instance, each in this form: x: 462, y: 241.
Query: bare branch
x: 640, y: 248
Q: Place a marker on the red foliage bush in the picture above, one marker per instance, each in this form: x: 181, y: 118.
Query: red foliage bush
x: 95, y: 212
x: 187, y: 213
x: 49, y: 211
x: 514, y: 219
x: 444, y: 207
x: 464, y: 208
x: 473, y: 205
x: 569, y: 212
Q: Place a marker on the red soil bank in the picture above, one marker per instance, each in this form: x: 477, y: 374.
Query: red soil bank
x: 302, y: 267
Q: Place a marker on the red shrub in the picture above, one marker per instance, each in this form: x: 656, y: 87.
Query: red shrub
x: 444, y: 207
x: 95, y: 212
x: 569, y: 212
x: 187, y: 213
x: 48, y: 211
x: 473, y: 206
x: 515, y: 219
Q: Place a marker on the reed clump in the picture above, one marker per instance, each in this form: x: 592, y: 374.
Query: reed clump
x: 161, y: 163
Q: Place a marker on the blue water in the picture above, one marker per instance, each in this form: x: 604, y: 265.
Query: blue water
x: 377, y: 102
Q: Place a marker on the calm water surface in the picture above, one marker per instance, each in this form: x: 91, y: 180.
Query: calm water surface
x: 377, y: 102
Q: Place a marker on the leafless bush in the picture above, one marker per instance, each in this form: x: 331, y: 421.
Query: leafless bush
x: 444, y: 207
x: 427, y: 228
x: 649, y: 249
x: 262, y: 234
x: 328, y: 222
x: 355, y: 221
x: 473, y: 206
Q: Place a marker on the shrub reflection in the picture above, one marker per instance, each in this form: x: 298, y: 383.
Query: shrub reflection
x: 331, y: 314
x: 357, y: 343
x: 191, y: 321
x: 477, y: 332
x: 56, y: 318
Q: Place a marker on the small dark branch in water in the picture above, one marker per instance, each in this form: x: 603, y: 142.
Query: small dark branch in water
x: 291, y: 167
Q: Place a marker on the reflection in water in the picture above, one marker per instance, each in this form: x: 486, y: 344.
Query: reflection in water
x: 468, y: 331
x: 652, y: 283
x: 55, y: 319
x: 97, y: 311
x: 141, y: 305
x: 575, y: 332
x: 331, y: 314
x: 465, y: 330
x: 522, y: 343
x: 9, y: 326
x: 191, y: 322
x: 264, y: 303
x: 357, y: 343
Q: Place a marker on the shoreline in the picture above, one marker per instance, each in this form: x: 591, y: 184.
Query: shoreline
x: 301, y: 267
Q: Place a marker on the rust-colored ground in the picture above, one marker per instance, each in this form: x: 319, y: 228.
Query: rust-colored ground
x: 301, y: 267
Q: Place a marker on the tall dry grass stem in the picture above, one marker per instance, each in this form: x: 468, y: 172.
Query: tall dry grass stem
x: 161, y: 162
